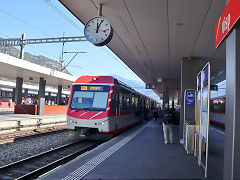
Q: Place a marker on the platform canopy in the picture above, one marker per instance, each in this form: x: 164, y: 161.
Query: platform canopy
x: 152, y: 36
x: 11, y: 67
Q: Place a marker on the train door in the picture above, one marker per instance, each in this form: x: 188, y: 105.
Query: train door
x: 115, y: 105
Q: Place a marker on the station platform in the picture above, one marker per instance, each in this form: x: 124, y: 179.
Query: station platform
x: 139, y: 153
x: 6, y: 110
x: 10, y: 122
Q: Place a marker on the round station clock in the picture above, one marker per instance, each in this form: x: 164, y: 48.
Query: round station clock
x: 98, y: 31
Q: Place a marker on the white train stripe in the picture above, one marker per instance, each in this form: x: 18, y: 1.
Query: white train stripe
x: 108, y: 108
x: 72, y: 111
x: 101, y: 119
x: 96, y: 115
x: 109, y: 100
x: 83, y: 113
x: 111, y: 91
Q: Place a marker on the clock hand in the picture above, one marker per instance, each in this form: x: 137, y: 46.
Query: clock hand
x: 98, y: 26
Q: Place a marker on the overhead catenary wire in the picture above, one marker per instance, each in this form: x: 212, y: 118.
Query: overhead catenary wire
x: 63, y: 15
x: 6, y: 36
x: 33, y: 27
x: 76, y: 26
x: 47, y: 34
x: 82, y: 68
x: 24, y: 22
x: 53, y: 56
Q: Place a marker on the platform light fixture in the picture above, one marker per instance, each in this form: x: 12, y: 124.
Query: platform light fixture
x: 159, y: 80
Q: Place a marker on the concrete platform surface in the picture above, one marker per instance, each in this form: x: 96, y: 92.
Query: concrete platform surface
x: 5, y: 116
x: 139, y: 153
x: 10, y: 122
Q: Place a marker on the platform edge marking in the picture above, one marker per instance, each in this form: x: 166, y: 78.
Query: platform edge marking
x: 94, y: 162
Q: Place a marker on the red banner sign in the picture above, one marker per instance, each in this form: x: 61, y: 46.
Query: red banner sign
x: 229, y: 18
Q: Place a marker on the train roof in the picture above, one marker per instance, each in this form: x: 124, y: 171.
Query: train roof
x: 106, y: 80
x: 96, y: 80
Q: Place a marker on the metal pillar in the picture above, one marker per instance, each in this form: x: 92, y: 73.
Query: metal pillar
x: 232, y: 123
x: 100, y: 9
x: 49, y: 97
x: 165, y: 93
x: 41, y: 96
x: 22, y: 46
x: 59, y: 95
x: 190, y: 67
x: 18, y: 90
x: 25, y: 93
x: 13, y: 94
x: 67, y: 99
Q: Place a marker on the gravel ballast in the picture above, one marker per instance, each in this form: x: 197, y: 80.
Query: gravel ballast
x: 26, y: 147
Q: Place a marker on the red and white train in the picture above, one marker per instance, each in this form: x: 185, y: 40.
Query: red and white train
x: 217, y: 111
x: 102, y: 105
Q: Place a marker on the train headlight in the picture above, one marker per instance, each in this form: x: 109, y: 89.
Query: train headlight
x: 71, y: 121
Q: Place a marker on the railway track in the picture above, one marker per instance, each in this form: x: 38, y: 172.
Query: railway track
x: 10, y: 137
x: 37, y: 165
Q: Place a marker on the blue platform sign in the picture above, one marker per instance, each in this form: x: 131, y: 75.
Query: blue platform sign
x: 190, y: 98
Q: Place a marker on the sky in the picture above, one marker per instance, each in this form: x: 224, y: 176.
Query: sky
x: 42, y: 19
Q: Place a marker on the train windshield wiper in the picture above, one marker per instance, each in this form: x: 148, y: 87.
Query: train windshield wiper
x: 86, y: 108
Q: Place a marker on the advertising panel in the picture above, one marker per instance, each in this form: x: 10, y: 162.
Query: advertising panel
x: 204, y: 114
x: 198, y: 103
x: 205, y: 103
x: 203, y: 98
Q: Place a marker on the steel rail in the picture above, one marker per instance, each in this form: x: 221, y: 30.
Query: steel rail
x: 7, y: 172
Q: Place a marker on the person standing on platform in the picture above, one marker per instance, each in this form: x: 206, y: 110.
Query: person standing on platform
x: 10, y: 103
x: 155, y: 114
x: 168, y: 123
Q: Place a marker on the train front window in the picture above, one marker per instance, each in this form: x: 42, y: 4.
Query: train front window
x: 90, y: 98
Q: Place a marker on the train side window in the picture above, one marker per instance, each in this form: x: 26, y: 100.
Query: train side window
x: 121, y: 101
x: 125, y: 101
x: 115, y: 101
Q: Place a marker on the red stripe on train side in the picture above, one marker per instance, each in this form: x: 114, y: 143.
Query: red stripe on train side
x: 70, y: 129
x: 220, y: 123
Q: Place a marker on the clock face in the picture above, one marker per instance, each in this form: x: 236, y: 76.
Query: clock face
x: 98, y: 31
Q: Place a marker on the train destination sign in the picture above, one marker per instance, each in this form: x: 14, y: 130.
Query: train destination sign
x: 229, y: 18
x: 92, y: 88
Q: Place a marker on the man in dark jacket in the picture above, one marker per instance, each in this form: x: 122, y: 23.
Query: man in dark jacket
x: 168, y: 123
